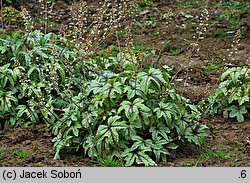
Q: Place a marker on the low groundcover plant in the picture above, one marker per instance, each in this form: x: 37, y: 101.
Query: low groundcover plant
x: 232, y: 96
x: 93, y: 105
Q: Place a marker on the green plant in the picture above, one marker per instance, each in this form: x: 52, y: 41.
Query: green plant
x: 174, y: 52
x: 108, y: 161
x: 234, y: 22
x: 110, y: 51
x: 233, y: 13
x: 135, y: 116
x: 212, y: 66
x: 14, y: 1
x: 1, y: 152
x: 219, y: 154
x: 11, y: 16
x: 232, y: 96
x: 142, y: 3
x: 241, y: 144
x: 91, y: 105
x: 237, y: 4
x: 220, y: 33
x: 138, y: 24
x: 151, y: 22
x: 20, y: 154
x: 36, y: 77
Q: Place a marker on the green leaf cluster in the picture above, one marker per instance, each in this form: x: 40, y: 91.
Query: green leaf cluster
x: 37, y: 77
x: 91, y: 105
x: 11, y: 16
x: 134, y: 116
x: 232, y: 96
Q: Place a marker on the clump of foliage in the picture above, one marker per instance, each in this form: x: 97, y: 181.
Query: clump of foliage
x: 142, y: 3
x: 236, y: 4
x: 20, y: 154
x: 132, y: 115
x: 235, y: 13
x: 232, y: 96
x: 34, y: 77
x: 104, y: 107
x: 11, y: 16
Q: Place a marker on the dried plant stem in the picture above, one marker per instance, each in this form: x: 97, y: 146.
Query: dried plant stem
x: 2, y: 26
x: 46, y: 17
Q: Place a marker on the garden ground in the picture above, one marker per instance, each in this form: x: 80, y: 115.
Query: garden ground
x: 196, y: 76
